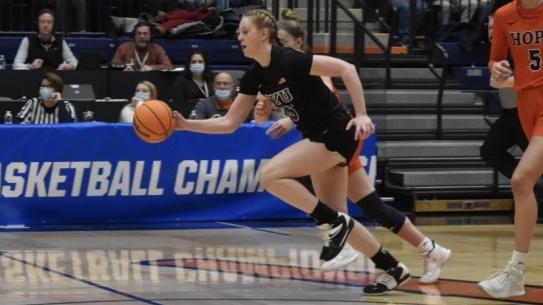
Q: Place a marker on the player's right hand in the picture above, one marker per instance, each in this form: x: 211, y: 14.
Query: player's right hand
x: 501, y: 71
x: 179, y: 122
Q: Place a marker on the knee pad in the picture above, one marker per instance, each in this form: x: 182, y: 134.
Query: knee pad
x: 382, y: 213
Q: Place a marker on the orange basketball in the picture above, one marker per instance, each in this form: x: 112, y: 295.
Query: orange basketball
x: 153, y: 121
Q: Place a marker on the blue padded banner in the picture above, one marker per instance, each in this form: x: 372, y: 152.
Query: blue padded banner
x: 101, y: 173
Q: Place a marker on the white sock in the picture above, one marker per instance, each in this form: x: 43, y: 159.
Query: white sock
x: 519, y: 257
x: 426, y: 246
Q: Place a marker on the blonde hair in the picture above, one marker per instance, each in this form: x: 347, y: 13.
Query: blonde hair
x: 152, y: 89
x: 264, y: 20
x: 288, y: 14
x: 290, y: 23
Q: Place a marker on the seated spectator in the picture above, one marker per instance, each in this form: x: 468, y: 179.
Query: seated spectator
x: 264, y: 110
x: 218, y: 104
x: 404, y: 18
x: 49, y: 107
x: 44, y: 50
x: 142, y: 54
x: 194, y: 84
x: 466, y: 8
x: 145, y: 90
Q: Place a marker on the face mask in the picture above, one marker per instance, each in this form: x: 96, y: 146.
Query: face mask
x: 223, y: 95
x: 143, y: 96
x: 46, y: 93
x: 197, y: 68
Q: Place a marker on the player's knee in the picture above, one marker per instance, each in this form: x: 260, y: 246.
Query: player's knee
x: 521, y: 183
x: 385, y: 215
x: 266, y: 176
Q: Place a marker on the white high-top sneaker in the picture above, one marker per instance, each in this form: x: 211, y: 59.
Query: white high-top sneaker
x: 345, y: 257
x: 433, y: 263
x: 506, y: 283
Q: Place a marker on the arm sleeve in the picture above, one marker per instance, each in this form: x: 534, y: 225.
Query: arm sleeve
x: 295, y: 63
x: 22, y: 54
x: 67, y: 55
x: 25, y: 111
x: 67, y: 113
x: 499, y: 41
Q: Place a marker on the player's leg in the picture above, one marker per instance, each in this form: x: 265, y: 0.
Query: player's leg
x: 362, y: 192
x: 325, y: 185
x: 305, y: 158
x: 510, y: 281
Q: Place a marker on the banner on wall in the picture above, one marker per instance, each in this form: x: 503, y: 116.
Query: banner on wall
x: 101, y: 173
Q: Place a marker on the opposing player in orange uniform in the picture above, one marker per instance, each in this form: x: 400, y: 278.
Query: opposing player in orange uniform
x: 518, y: 30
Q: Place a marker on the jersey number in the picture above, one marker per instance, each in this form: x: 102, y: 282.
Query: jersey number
x: 535, y: 57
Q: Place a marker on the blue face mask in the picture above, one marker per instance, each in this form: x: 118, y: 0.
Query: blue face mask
x: 142, y: 96
x: 46, y: 93
x: 197, y: 68
x: 223, y: 95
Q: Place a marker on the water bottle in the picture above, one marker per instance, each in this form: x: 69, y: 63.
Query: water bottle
x: 88, y: 116
x: 193, y: 115
x: 2, y: 62
x: 8, y: 117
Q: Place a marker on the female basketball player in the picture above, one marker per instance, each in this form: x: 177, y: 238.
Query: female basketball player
x: 290, y: 79
x: 360, y: 187
x: 518, y: 29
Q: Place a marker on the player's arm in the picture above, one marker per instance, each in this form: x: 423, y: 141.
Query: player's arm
x: 227, y: 124
x: 508, y: 83
x: 333, y: 67
x: 498, y: 64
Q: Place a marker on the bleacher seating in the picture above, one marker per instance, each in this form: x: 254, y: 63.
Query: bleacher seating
x: 223, y: 51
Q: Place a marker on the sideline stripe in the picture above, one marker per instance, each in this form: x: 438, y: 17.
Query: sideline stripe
x: 252, y: 228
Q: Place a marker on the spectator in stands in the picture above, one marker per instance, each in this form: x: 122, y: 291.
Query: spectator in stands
x: 48, y: 107
x: 265, y: 110
x: 145, y: 90
x: 404, y: 18
x: 217, y: 104
x: 465, y: 7
x: 142, y: 54
x: 44, y: 50
x: 194, y: 84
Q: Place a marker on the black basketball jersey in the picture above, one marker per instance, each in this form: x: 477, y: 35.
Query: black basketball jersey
x: 286, y: 82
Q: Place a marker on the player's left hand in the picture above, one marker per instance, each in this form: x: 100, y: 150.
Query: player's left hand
x: 280, y: 128
x: 363, y: 124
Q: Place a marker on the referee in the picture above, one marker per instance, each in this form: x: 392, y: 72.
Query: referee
x: 48, y: 108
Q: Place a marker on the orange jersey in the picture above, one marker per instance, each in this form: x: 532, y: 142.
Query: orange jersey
x: 520, y: 31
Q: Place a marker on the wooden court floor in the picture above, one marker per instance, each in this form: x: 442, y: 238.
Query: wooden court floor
x: 242, y: 264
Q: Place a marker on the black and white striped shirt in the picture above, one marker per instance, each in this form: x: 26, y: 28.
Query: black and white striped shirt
x: 35, y: 112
